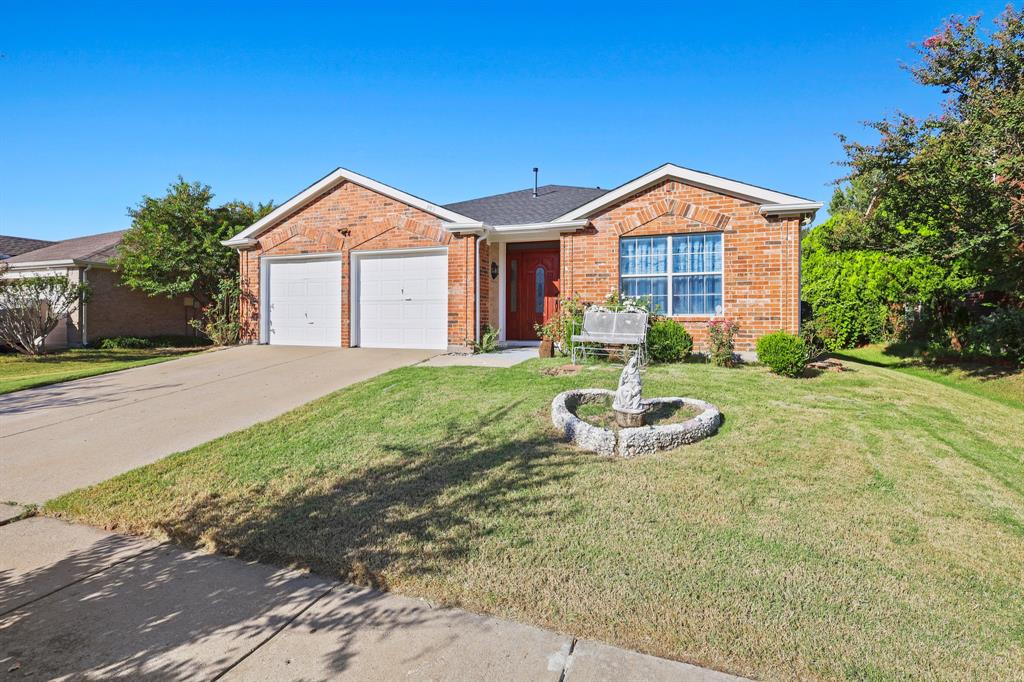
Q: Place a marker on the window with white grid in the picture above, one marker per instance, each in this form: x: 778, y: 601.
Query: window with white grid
x: 679, y: 274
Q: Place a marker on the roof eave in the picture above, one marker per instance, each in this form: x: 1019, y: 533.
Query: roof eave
x: 796, y: 208
x: 53, y: 263
x: 240, y: 243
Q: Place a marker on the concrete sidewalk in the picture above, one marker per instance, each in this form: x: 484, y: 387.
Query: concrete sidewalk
x: 78, y: 602
x: 54, y: 439
x: 506, y: 357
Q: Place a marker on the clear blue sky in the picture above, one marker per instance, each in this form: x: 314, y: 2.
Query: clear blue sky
x: 103, y: 103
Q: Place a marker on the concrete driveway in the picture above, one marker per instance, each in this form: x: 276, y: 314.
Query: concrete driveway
x: 57, y: 438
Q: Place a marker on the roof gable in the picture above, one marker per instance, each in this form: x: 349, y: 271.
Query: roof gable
x: 325, y: 184
x: 770, y: 200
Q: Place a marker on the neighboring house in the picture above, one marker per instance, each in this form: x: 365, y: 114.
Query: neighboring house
x: 112, y: 309
x: 353, y: 262
x: 13, y: 246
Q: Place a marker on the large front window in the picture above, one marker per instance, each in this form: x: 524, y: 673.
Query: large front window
x: 680, y: 274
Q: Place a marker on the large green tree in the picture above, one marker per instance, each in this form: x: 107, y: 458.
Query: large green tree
x: 174, y: 245
x: 949, y: 187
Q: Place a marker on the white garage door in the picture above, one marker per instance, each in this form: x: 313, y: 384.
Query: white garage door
x: 403, y: 300
x: 305, y: 302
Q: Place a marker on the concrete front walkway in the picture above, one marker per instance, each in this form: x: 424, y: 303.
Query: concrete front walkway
x: 76, y: 602
x: 57, y: 438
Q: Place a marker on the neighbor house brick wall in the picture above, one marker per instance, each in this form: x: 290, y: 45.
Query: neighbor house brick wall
x: 116, y: 310
x: 351, y: 218
x: 761, y: 268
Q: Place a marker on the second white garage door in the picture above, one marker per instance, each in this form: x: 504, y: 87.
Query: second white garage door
x: 402, y: 300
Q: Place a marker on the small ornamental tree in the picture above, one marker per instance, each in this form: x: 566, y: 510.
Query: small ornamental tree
x: 32, y: 307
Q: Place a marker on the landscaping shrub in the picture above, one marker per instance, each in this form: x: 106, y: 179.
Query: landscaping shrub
x: 721, y: 344
x: 999, y: 334
x: 785, y: 354
x: 161, y: 341
x: 220, y: 319
x: 814, y: 336
x: 488, y: 342
x: 863, y: 296
x: 123, y: 343
x: 668, y: 341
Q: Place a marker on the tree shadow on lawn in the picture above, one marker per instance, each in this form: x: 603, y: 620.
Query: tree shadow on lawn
x: 419, y: 509
x: 910, y: 356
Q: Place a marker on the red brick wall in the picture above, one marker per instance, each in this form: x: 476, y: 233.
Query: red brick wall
x: 352, y: 218
x: 115, y: 310
x: 761, y: 269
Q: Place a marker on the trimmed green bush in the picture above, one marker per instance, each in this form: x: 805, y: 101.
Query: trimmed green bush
x: 123, y: 343
x: 164, y: 341
x: 784, y: 353
x: 668, y: 341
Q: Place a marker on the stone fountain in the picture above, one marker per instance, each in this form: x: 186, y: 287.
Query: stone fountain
x: 633, y: 437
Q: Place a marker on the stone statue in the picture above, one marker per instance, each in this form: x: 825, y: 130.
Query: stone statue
x: 628, y: 404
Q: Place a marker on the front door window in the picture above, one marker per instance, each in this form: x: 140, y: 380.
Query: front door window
x: 538, y: 293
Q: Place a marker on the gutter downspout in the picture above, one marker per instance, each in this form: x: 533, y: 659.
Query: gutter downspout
x: 83, y: 316
x: 476, y: 290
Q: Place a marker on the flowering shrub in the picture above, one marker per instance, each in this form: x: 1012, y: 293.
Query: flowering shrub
x: 562, y: 326
x: 721, y: 332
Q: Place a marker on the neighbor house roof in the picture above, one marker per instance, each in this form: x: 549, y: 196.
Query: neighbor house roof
x: 94, y: 249
x: 514, y: 208
x: 13, y: 246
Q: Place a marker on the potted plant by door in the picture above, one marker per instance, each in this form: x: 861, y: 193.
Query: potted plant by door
x: 546, y: 332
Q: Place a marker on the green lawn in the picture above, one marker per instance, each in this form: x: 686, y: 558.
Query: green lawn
x: 19, y: 371
x: 1005, y: 384
x: 867, y: 524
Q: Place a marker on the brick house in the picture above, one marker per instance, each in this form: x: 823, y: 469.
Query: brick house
x: 112, y: 309
x: 350, y: 261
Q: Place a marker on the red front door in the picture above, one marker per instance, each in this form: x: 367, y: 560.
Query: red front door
x: 532, y: 291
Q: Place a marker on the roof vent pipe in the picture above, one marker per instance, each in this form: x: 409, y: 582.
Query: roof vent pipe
x: 535, y: 171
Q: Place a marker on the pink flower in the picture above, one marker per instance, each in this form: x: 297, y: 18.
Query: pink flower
x: 934, y: 41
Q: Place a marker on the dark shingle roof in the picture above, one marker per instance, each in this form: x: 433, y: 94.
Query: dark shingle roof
x: 12, y: 246
x: 94, y: 248
x: 517, y: 208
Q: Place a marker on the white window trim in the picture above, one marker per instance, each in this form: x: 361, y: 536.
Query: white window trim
x: 265, y: 262
x: 672, y: 273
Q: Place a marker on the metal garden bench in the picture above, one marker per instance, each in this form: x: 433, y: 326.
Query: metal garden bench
x: 606, y: 327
